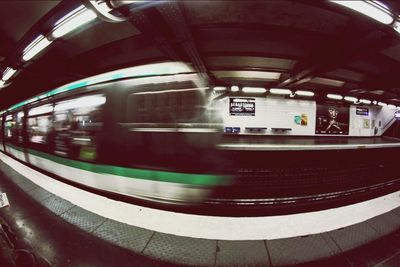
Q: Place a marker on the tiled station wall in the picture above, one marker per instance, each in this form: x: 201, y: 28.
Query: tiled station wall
x: 278, y: 112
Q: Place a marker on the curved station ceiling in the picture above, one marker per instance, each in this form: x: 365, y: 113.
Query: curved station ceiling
x: 320, y: 46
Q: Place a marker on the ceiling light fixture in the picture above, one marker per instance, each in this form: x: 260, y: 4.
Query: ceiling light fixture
x: 372, y: 9
x: 35, y: 47
x: 304, y: 93
x: 365, y: 101
x: 382, y: 104
x: 391, y: 106
x: 234, y: 88
x: 396, y: 25
x: 350, y: 99
x: 278, y: 91
x: 72, y: 21
x: 334, y: 96
x: 254, y: 90
x: 8, y: 73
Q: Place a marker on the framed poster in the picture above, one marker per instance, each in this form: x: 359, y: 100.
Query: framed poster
x: 332, y: 119
x: 241, y: 106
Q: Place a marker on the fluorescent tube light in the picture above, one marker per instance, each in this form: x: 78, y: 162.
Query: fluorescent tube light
x: 304, y: 93
x: 2, y: 83
x: 234, y: 88
x: 396, y: 26
x: 254, y: 90
x: 333, y: 96
x: 8, y: 73
x: 382, y: 104
x: 245, y: 74
x: 365, y: 101
x: 391, y: 106
x: 350, y: 99
x: 278, y: 91
x: 35, y: 47
x: 368, y: 8
x: 72, y: 21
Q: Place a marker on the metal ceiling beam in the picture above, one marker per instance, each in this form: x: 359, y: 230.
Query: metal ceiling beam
x: 177, y: 24
x: 346, y: 47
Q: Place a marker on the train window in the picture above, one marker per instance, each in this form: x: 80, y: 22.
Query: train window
x: 76, y: 123
x: 19, y: 127
x: 9, y: 126
x: 40, y: 124
x: 169, y: 106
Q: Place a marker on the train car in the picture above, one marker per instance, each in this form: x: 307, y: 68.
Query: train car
x: 152, y: 133
x: 141, y: 136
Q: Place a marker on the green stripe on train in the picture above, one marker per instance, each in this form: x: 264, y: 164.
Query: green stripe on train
x: 162, y: 176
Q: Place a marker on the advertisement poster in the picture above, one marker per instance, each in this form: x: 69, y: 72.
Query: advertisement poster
x: 366, y: 124
x: 301, y: 119
x: 332, y: 119
x: 242, y: 106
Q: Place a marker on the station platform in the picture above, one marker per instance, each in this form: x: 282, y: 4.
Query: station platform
x: 64, y: 232
x: 288, y: 143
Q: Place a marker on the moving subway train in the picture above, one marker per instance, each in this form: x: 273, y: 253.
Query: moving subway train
x: 151, y: 133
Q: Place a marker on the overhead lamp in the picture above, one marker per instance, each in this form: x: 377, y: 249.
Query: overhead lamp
x: 374, y: 102
x: 35, y: 47
x: 72, y: 21
x: 254, y: 90
x: 246, y: 74
x: 391, y: 106
x: 234, y: 88
x: 372, y: 9
x: 304, y: 93
x: 277, y: 91
x: 382, y: 104
x: 396, y: 25
x: 350, y: 99
x: 8, y: 73
x: 334, y: 96
x: 365, y: 101
x: 2, y: 83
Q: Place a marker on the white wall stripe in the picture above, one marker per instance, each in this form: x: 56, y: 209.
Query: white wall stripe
x: 212, y: 227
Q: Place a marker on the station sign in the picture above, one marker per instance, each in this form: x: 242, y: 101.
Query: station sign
x: 242, y: 106
x: 362, y: 111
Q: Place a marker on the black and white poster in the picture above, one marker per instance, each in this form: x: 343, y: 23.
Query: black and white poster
x: 332, y: 119
x: 242, y: 106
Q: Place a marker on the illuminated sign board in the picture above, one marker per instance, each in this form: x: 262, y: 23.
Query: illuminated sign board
x: 242, y: 106
x: 362, y: 111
